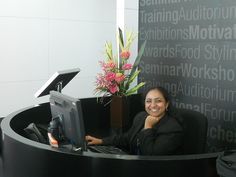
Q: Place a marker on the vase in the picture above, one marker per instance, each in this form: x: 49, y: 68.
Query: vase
x: 119, y: 113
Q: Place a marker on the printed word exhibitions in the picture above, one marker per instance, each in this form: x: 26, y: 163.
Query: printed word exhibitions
x: 191, y: 32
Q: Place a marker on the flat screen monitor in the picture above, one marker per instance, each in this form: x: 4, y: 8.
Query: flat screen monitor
x: 57, y: 81
x: 69, y: 112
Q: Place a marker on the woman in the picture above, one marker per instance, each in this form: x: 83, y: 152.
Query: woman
x: 154, y: 132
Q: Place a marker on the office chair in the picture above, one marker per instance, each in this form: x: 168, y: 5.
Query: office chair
x: 195, y: 126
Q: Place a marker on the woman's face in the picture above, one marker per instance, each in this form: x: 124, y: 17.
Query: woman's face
x: 155, y: 103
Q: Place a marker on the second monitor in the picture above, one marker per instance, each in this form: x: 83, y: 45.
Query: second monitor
x: 67, y: 111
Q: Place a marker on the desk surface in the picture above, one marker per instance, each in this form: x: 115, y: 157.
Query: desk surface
x: 25, y: 158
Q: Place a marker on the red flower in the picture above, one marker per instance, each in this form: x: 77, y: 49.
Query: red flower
x: 107, y: 65
x: 125, y: 54
x: 113, y: 88
x: 127, y: 66
x: 110, y: 65
x: 110, y: 76
x: 117, y: 74
x: 119, y: 77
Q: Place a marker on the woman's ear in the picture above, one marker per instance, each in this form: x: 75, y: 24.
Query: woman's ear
x: 167, y: 105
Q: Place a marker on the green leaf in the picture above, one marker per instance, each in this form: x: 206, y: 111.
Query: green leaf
x: 129, y: 39
x: 138, y: 58
x: 131, y: 78
x: 136, y: 63
x: 121, y: 40
x: 134, y: 89
x: 108, y: 47
x: 124, y: 45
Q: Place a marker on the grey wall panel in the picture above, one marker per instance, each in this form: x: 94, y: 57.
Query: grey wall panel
x: 191, y: 51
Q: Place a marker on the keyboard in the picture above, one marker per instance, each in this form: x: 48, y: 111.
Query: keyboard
x: 106, y: 149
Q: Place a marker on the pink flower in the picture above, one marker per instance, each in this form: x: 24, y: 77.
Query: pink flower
x: 125, y: 54
x: 113, y: 88
x: 119, y: 77
x: 101, y: 81
x: 127, y: 66
x: 107, y: 65
x: 110, y: 76
x: 110, y: 64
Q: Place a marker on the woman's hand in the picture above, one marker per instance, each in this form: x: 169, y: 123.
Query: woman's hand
x: 150, y: 121
x: 52, y: 141
x: 92, y: 140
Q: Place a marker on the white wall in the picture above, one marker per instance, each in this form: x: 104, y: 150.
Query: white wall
x: 131, y: 14
x: 39, y: 37
x: 131, y: 23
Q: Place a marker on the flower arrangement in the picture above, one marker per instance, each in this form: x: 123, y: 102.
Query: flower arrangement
x: 117, y: 72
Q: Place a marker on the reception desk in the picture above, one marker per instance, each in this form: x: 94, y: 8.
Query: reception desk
x: 23, y: 157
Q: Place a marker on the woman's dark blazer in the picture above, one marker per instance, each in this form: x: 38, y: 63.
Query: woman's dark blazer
x: 165, y: 138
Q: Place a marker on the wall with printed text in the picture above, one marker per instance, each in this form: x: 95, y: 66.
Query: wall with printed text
x: 191, y: 51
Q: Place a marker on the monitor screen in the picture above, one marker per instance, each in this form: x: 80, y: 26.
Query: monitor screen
x: 69, y: 111
x: 57, y: 81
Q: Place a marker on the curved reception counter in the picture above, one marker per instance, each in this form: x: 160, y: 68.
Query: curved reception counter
x: 23, y: 157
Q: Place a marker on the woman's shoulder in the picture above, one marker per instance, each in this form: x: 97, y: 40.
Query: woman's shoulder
x: 172, y: 124
x: 140, y: 116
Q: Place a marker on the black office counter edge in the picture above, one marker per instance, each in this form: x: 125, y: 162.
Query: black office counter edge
x: 22, y: 157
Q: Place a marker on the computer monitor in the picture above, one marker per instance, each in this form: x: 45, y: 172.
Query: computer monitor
x: 57, y: 81
x: 69, y: 112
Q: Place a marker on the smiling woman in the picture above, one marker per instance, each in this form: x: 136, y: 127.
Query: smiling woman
x: 155, y: 131
x: 20, y: 153
x: 156, y: 105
